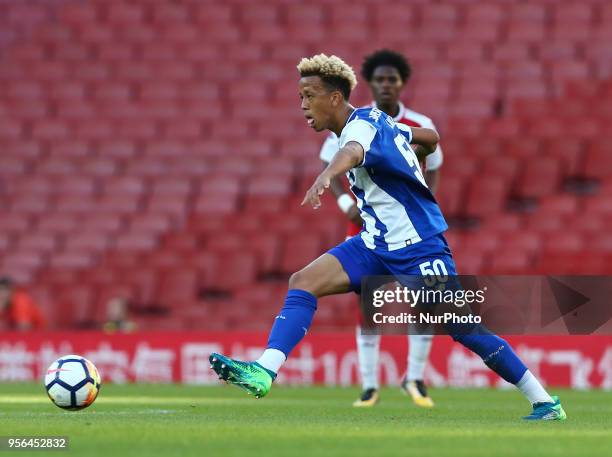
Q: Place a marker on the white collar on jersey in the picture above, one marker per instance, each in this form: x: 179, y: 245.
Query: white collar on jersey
x: 400, y: 113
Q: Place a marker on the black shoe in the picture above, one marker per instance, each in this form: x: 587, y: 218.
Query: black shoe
x: 418, y: 391
x: 369, y: 397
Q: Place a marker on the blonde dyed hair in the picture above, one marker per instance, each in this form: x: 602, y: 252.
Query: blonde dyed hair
x: 327, y: 67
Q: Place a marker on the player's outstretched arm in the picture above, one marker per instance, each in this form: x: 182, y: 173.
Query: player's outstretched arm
x: 345, y: 202
x: 426, y: 141
x: 350, y: 156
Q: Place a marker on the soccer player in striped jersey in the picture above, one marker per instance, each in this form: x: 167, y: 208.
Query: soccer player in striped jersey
x: 403, y: 233
x: 387, y: 72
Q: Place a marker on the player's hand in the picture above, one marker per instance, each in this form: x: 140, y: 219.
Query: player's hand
x: 316, y: 190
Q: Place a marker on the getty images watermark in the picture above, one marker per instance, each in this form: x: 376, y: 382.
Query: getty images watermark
x: 511, y: 305
x: 427, y: 299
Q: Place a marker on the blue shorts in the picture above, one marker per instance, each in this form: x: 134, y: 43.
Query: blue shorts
x: 359, y: 261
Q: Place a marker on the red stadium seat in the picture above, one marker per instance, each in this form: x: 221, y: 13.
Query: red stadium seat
x: 507, y: 262
x: 78, y: 14
x: 572, y: 12
x: 72, y: 260
x: 560, y: 204
x: 299, y: 250
x: 232, y: 272
x: 588, y: 226
x: 503, y: 223
x: 570, y: 152
x: 28, y: 204
x: 88, y: 241
x: 598, y: 205
x: 563, y: 242
x: 76, y: 186
x: 468, y: 263
x: 56, y: 224
x: 136, y: 241
x: 522, y: 241
x: 74, y: 204
x: 486, y: 195
x: 154, y: 223
x: 216, y: 203
x: 100, y: 167
x: 505, y: 168
x: 540, y: 178
x: 598, y: 161
x: 543, y: 222
x: 450, y: 195
x: 119, y: 204
x: 76, y: 306
x: 132, y: 186
x: 57, y: 166
x: 482, y: 241
x: 172, y: 205
x: 599, y: 243
x: 143, y: 284
x: 509, y: 52
x: 482, y: 13
x: 103, y: 222
x: 125, y: 14
x: 178, y: 286
x: 41, y: 242
x: 564, y: 263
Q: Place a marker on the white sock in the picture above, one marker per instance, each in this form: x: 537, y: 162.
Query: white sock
x: 367, y: 350
x: 272, y: 359
x: 532, y: 389
x: 418, y: 353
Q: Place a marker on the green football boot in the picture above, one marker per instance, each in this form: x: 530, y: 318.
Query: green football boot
x: 547, y: 411
x: 249, y: 376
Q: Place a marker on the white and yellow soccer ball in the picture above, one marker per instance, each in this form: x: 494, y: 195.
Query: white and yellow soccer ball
x: 72, y: 382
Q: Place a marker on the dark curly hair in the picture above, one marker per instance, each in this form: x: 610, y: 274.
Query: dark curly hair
x: 385, y: 57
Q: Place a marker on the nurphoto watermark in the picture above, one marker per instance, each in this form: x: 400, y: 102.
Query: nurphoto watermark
x: 577, y: 305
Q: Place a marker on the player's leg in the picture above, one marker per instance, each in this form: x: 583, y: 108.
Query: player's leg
x: 496, y: 353
x: 367, y: 356
x: 413, y: 384
x: 419, y: 345
x: 338, y: 271
x: 367, y: 344
x: 499, y: 356
x: 324, y: 276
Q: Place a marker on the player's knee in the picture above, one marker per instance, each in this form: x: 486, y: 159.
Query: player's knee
x: 300, y: 280
x: 295, y: 280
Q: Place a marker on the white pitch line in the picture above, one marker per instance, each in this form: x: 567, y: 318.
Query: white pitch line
x: 97, y: 413
x: 123, y: 400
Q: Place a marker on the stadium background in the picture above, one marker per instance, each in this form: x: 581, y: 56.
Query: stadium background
x: 155, y: 150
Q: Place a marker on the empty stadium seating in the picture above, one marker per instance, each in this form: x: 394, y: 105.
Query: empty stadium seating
x: 155, y: 149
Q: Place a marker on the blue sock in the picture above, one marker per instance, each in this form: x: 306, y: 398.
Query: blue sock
x: 293, y: 321
x: 495, y: 352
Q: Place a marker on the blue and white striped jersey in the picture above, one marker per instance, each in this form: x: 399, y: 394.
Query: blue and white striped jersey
x: 396, y: 205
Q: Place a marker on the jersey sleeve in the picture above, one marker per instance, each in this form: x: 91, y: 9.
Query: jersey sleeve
x: 405, y: 130
x: 434, y: 160
x: 361, y: 132
x: 329, y: 148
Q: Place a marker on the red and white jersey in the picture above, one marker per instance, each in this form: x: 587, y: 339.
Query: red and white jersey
x: 405, y: 116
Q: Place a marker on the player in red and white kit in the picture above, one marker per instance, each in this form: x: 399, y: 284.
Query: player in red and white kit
x: 387, y: 72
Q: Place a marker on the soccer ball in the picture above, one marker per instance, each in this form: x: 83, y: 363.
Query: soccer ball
x: 72, y: 382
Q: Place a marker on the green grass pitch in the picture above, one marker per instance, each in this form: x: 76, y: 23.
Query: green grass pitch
x: 168, y: 420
